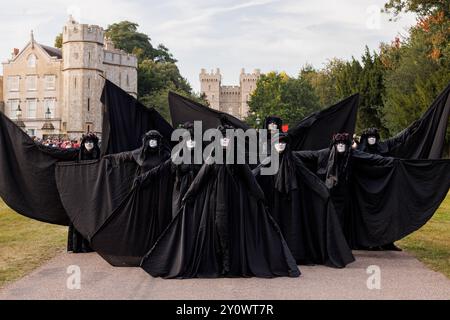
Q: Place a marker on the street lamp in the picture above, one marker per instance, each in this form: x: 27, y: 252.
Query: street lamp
x: 48, y: 125
x: 19, y: 121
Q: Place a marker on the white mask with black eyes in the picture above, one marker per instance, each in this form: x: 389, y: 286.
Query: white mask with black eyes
x: 341, y: 147
x: 190, y: 144
x: 272, y: 126
x: 225, y: 142
x: 280, y: 147
x: 89, y: 145
x: 153, y: 143
x: 371, y: 140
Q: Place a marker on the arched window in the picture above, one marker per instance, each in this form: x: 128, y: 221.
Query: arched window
x: 32, y: 61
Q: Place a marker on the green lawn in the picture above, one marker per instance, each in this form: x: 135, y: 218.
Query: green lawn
x: 25, y: 244
x: 431, y: 244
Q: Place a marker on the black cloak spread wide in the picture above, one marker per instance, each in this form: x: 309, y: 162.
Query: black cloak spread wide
x: 27, y: 171
x: 126, y: 120
x: 301, y: 205
x: 115, y: 204
x: 222, y: 230
x: 315, y: 131
x: 184, y: 110
x: 423, y: 139
x: 380, y: 199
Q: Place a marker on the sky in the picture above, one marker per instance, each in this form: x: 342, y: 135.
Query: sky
x: 281, y: 35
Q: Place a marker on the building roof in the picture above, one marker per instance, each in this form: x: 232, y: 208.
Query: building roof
x: 53, y: 52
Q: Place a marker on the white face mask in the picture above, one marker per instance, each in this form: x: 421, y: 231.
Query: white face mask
x: 153, y: 143
x: 371, y: 140
x: 341, y: 147
x: 225, y: 142
x: 89, y: 146
x: 280, y: 147
x: 272, y: 126
x: 190, y: 144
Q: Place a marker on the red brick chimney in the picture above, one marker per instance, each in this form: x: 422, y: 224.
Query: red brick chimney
x: 15, y: 51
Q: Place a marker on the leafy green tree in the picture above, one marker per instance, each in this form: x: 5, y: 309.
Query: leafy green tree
x: 59, y: 41
x: 277, y: 94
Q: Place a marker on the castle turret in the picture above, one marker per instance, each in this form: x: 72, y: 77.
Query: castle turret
x: 210, y: 86
x: 82, y: 66
x: 248, y: 85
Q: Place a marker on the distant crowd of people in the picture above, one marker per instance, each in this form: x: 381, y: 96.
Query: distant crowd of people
x: 58, y: 143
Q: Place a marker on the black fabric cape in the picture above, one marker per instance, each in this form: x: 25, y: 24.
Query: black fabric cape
x: 315, y: 131
x: 383, y: 199
x: 423, y: 139
x: 126, y: 120
x: 302, y: 207
x: 223, y: 229
x: 27, y: 171
x: 116, y: 206
x: 184, y: 110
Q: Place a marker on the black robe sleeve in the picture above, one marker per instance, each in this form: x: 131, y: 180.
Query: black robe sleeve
x: 393, y: 198
x: 27, y: 171
x: 316, y: 131
x: 425, y: 137
x: 184, y: 110
x: 126, y: 120
x: 91, y: 190
x: 132, y: 229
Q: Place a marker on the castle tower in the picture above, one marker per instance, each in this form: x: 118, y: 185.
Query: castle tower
x: 210, y: 86
x: 82, y: 66
x: 248, y: 85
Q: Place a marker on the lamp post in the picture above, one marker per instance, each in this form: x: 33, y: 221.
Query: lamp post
x: 48, y: 125
x: 19, y: 121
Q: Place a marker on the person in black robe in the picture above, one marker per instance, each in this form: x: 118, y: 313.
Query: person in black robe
x: 302, y: 207
x: 123, y: 201
x: 89, y: 150
x: 185, y: 173
x: 222, y: 230
x: 379, y: 200
x: 153, y: 151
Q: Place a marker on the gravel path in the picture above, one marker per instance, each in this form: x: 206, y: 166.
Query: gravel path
x: 402, y: 277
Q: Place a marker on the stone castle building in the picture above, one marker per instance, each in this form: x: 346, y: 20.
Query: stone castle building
x: 58, y: 91
x: 229, y: 99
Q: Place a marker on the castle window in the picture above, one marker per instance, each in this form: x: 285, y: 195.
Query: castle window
x: 13, y: 83
x: 31, y: 61
x: 31, y: 108
x: 88, y: 128
x: 49, y: 105
x: 32, y: 83
x: 89, y: 104
x: 75, y: 82
x: 50, y: 82
x: 89, y: 83
x: 128, y: 80
x: 89, y: 56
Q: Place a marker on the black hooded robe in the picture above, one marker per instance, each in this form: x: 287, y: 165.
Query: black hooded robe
x: 222, y: 230
x: 122, y: 201
x: 302, y: 207
x: 380, y: 200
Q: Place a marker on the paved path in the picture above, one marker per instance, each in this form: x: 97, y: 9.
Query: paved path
x: 402, y: 277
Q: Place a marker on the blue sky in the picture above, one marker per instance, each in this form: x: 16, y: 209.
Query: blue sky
x: 278, y: 35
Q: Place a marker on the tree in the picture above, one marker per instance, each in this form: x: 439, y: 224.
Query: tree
x: 59, y: 41
x: 125, y: 36
x: 277, y: 94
